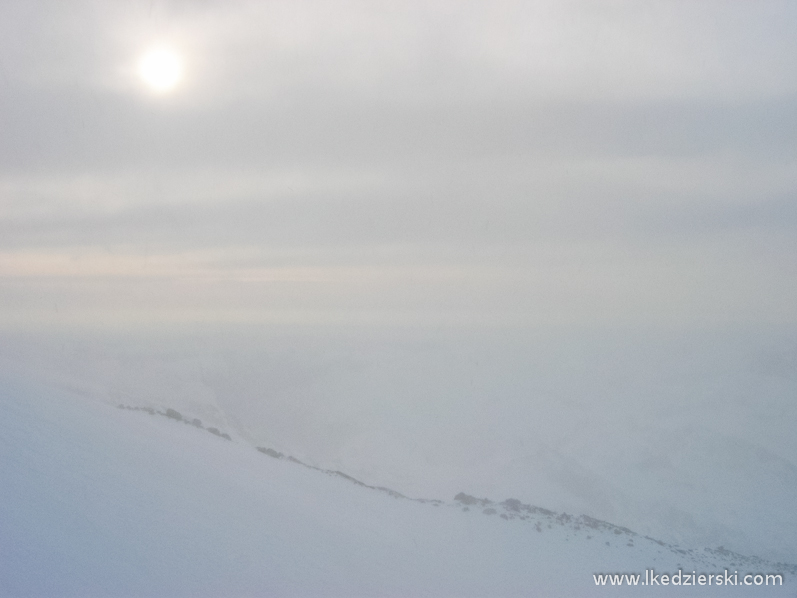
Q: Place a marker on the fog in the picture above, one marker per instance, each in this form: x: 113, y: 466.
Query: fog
x: 685, y: 436
x: 535, y: 249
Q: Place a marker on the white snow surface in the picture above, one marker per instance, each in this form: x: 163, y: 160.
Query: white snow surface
x: 101, y: 501
x: 687, y: 437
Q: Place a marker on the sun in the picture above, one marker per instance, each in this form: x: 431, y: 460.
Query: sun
x: 161, y: 69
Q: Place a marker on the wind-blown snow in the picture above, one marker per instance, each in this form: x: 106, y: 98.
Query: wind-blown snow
x: 687, y: 437
x: 100, y: 501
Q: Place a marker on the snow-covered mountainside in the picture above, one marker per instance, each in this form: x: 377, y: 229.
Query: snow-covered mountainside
x: 101, y: 501
x: 686, y: 439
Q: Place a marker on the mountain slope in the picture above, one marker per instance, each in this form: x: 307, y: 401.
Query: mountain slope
x: 98, y: 501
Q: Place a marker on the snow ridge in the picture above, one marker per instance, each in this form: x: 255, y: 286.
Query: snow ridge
x: 582, y: 527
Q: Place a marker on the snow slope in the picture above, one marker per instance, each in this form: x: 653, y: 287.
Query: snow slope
x: 688, y: 438
x: 100, y: 501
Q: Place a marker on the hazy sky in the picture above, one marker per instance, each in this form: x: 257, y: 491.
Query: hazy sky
x: 501, y: 247
x: 399, y: 162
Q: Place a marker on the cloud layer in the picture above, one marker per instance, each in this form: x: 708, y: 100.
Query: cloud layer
x: 514, y: 161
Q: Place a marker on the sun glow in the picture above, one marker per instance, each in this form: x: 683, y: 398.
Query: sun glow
x: 161, y: 69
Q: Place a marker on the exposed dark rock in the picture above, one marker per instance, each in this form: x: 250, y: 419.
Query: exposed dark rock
x: 467, y: 499
x: 347, y: 477
x: 270, y: 452
x: 513, y: 504
x: 218, y: 433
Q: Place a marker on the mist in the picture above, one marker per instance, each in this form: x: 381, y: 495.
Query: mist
x: 539, y: 250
